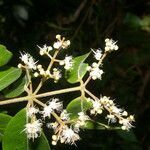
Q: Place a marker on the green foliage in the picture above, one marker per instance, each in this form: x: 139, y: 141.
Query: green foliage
x: 15, y: 89
x: 15, y: 137
x: 5, y: 55
x: 128, y: 136
x: 78, y: 70
x: 4, y: 119
x: 76, y: 106
x: 38, y: 20
x: 8, y: 75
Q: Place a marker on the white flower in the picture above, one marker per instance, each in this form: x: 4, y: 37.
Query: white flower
x: 28, y: 60
x: 64, y: 115
x: 33, y: 129
x: 116, y: 110
x: 52, y: 125
x: 61, y: 43
x: 110, y: 45
x: 45, y: 49
x: 57, y: 45
x: 126, y: 123
x: 111, y: 118
x: 68, y: 62
x: 105, y: 100
x: 95, y: 72
x: 83, y: 116
x: 32, y: 111
x: 81, y: 119
x: 97, y: 54
x: 97, y: 107
x: 56, y: 74
x: 51, y: 106
x: 69, y: 136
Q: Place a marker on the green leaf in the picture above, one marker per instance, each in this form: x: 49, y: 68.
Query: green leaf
x: 5, y: 55
x: 132, y: 20
x: 74, y: 107
x: 4, y: 119
x: 16, y: 89
x: 16, y: 139
x: 78, y: 70
x: 8, y: 75
x: 127, y: 135
x: 90, y: 124
x: 40, y: 143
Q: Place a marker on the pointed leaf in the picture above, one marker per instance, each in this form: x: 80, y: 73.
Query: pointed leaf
x: 8, y: 75
x: 4, y: 119
x: 74, y: 107
x: 16, y: 139
x: 16, y: 89
x: 5, y: 55
x: 78, y: 70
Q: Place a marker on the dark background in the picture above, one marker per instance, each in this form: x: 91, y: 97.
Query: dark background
x: 24, y: 24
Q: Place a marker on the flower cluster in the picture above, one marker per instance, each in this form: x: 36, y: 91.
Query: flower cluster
x: 67, y: 62
x: 66, y: 129
x: 115, y: 113
x: 63, y: 132
x: 51, y: 106
x: 61, y: 43
x: 110, y: 45
x: 97, y: 54
x: 33, y: 129
x: 28, y: 61
x: 45, y: 50
x: 49, y: 72
x: 95, y: 71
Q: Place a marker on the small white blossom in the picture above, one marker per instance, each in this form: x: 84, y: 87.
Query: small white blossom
x: 83, y: 116
x: 97, y: 54
x: 64, y: 115
x: 68, y: 62
x: 52, y: 105
x: 97, y: 107
x: 57, y: 45
x: 31, y: 111
x: 69, y: 136
x: 126, y: 123
x: 33, y: 129
x: 52, y: 125
x: 61, y: 43
x: 45, y: 49
x: 81, y: 119
x: 110, y: 45
x: 28, y: 60
x: 36, y: 74
x: 95, y: 72
x: 116, y: 110
x: 56, y: 74
x: 111, y: 118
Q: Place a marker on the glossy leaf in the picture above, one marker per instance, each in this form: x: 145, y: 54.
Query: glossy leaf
x: 78, y: 70
x: 5, y: 55
x: 4, y: 119
x: 16, y: 89
x: 8, y: 75
x: 74, y: 107
x: 16, y: 139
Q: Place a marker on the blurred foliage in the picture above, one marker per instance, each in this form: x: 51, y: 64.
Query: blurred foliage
x: 26, y: 23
